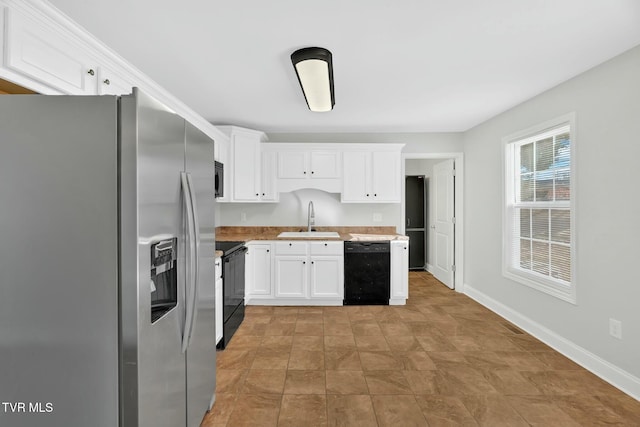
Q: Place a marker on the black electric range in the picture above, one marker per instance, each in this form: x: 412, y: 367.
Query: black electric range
x: 233, y: 264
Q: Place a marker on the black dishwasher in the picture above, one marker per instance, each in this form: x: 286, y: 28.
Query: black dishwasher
x: 367, y: 274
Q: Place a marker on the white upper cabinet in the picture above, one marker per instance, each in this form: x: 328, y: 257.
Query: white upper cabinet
x: 324, y: 164
x: 308, y: 164
x: 42, y: 50
x: 372, y: 176
x: 268, y: 185
x: 385, y: 176
x: 302, y: 165
x: 52, y: 56
x: 111, y: 83
x: 292, y: 164
x: 248, y: 183
x: 45, y: 53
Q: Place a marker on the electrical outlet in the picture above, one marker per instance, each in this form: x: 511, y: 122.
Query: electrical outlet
x: 377, y: 217
x: 615, y: 328
x: 243, y: 217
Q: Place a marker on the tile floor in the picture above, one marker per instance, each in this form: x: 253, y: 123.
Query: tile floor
x: 441, y: 360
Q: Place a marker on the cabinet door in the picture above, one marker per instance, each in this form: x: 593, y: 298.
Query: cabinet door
x: 355, y: 174
x: 327, y: 277
x: 246, y: 167
x: 292, y: 164
x: 325, y: 164
x: 291, y: 276
x: 110, y: 83
x: 268, y: 185
x: 259, y: 270
x: 386, y: 176
x: 399, y: 269
x: 49, y: 55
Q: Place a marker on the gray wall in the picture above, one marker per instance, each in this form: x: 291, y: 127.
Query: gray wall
x: 606, y: 101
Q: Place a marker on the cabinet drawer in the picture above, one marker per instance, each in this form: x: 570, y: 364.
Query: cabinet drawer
x: 326, y: 248
x: 291, y: 248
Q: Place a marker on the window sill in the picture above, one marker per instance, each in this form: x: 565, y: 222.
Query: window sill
x: 563, y: 292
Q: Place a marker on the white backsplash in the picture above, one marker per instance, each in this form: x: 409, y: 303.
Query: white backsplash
x: 292, y: 210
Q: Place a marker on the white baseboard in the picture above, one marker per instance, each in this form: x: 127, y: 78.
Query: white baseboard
x: 292, y: 301
x: 614, y: 375
x: 430, y: 268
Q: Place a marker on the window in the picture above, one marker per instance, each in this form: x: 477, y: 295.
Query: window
x: 538, y: 234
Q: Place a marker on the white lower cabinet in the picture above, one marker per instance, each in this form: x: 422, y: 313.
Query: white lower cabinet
x: 399, y: 272
x: 327, y: 278
x: 327, y: 270
x: 258, y: 271
x: 304, y: 273
x: 218, y: 296
x: 291, y: 276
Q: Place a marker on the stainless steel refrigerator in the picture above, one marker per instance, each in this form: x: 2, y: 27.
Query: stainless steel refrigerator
x: 106, y: 263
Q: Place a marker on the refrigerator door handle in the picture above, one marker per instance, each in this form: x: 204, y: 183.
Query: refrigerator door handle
x: 189, y: 259
x: 196, y: 272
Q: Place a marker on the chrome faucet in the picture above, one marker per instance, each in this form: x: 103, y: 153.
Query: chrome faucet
x: 311, y: 216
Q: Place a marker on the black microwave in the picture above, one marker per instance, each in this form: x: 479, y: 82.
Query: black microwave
x: 219, y: 174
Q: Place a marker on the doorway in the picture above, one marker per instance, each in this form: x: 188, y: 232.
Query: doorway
x: 416, y: 220
x: 443, y: 201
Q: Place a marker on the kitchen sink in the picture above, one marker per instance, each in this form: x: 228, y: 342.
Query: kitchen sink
x: 309, y: 234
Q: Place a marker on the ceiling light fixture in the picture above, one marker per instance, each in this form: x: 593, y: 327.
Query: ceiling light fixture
x: 314, y: 69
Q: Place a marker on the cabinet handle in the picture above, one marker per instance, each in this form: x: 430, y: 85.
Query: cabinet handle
x: 267, y: 250
x: 405, y: 248
x: 263, y: 194
x: 325, y: 244
x: 289, y: 244
x: 312, y: 172
x: 106, y: 81
x: 312, y: 262
x: 305, y: 172
x: 304, y: 262
x: 367, y: 194
x: 257, y: 194
x: 91, y: 72
x: 375, y: 195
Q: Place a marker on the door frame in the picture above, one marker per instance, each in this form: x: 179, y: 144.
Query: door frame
x: 458, y: 253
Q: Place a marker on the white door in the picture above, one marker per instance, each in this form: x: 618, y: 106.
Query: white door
x: 386, y: 176
x: 292, y: 164
x: 325, y: 164
x: 356, y: 176
x: 258, y: 270
x: 444, y: 222
x: 246, y: 168
x: 327, y: 277
x: 291, y: 276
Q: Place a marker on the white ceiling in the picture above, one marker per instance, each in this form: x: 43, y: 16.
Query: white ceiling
x: 399, y: 66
